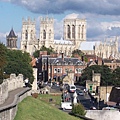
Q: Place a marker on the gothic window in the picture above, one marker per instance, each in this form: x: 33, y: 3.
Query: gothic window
x: 65, y: 52
x: 44, y: 34
x: 82, y: 31
x: 50, y: 34
x: 68, y: 31
x: 25, y: 47
x: 73, y: 31
x: 79, y: 31
x: 26, y: 35
x: 31, y: 34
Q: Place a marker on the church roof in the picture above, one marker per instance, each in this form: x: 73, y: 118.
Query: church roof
x: 61, y: 41
x: 88, y: 45
x: 12, y: 33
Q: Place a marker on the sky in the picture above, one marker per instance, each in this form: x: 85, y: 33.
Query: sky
x: 102, y: 16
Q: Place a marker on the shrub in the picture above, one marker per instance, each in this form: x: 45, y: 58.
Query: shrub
x: 35, y: 95
x: 78, y: 109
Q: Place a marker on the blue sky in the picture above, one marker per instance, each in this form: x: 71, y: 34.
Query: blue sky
x: 103, y: 16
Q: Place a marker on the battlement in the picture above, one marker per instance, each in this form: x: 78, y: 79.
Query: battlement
x: 28, y: 21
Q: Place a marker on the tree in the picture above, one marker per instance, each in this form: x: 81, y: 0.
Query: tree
x: 78, y: 109
x: 79, y: 53
x: 105, y: 71
x: 116, y: 77
x: 43, y: 48
x: 19, y: 63
x: 2, y: 60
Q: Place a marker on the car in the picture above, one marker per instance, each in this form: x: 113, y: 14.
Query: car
x: 92, y: 108
x: 81, y: 93
x: 66, y: 105
x: 72, y: 88
x: 109, y: 108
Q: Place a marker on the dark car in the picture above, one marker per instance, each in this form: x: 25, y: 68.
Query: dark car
x: 79, y: 92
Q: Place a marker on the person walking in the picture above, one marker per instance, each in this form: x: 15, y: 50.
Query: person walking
x: 26, y: 82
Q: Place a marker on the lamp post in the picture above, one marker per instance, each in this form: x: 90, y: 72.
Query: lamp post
x: 78, y: 70
x: 56, y: 70
x: 44, y: 70
x: 50, y: 71
x: 106, y: 92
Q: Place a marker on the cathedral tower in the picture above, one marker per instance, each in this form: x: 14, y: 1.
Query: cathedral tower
x: 12, y: 40
x: 28, y: 38
x: 47, y: 32
x: 75, y: 30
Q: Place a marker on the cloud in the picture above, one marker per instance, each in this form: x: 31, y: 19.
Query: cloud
x: 3, y: 38
x: 102, y: 7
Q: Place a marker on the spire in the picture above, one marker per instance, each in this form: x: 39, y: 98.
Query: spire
x: 12, y: 33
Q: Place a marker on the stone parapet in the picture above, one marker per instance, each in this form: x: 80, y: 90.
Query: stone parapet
x: 9, y: 111
x: 10, y: 84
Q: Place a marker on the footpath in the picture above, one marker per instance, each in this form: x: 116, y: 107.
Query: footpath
x: 11, y: 96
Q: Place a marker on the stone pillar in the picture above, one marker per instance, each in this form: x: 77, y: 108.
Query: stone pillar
x: 34, y: 85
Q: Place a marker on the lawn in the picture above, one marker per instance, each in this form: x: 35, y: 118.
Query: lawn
x: 41, y: 109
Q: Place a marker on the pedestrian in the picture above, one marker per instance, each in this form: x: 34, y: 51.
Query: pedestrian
x: 26, y: 82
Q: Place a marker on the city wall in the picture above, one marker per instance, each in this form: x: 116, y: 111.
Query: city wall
x: 10, y: 84
x: 8, y: 112
x: 103, y: 114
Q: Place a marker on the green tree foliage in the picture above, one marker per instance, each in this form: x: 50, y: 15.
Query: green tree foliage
x: 19, y: 63
x: 2, y: 60
x: 105, y: 71
x: 79, y: 53
x: 78, y: 109
x: 43, y: 48
x: 116, y: 76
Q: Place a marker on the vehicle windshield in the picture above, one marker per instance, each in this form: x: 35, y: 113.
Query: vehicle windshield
x: 72, y: 87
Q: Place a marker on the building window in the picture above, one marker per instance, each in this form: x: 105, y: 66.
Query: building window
x: 79, y: 31
x: 50, y: 34
x: 44, y: 34
x: 55, y: 70
x: 68, y: 31
x: 82, y: 31
x: 59, y: 70
x: 26, y: 35
x: 73, y: 31
x: 31, y: 34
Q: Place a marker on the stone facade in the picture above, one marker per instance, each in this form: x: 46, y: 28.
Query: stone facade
x: 74, y: 37
x: 103, y: 114
x: 105, y: 92
x: 69, y: 79
x: 92, y: 85
x: 74, y: 31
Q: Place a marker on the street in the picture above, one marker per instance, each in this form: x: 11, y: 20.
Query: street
x: 85, y: 99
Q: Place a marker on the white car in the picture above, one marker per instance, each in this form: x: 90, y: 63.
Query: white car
x: 66, y: 105
x: 109, y: 108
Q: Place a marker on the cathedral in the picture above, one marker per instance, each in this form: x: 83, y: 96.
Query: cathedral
x: 74, y: 37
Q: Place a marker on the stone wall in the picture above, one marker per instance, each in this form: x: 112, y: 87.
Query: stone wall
x: 103, y: 114
x: 10, y: 84
x: 9, y: 112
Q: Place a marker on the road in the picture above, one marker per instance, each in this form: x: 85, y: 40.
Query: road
x: 83, y: 99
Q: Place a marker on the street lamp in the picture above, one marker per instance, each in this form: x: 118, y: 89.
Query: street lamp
x: 56, y: 70
x: 50, y: 70
x: 78, y: 70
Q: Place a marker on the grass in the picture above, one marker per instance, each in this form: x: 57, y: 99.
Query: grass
x: 40, y: 109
